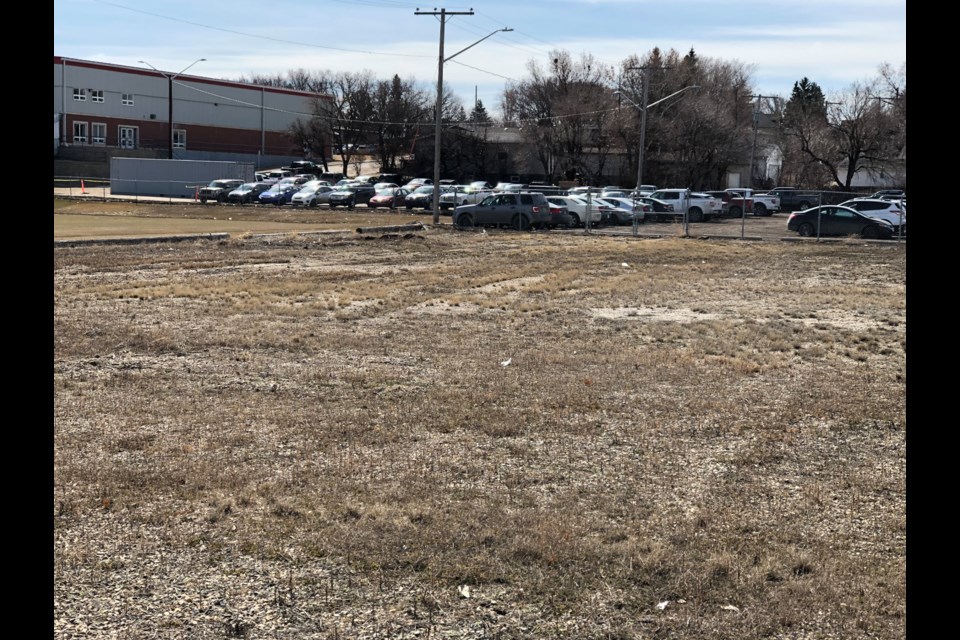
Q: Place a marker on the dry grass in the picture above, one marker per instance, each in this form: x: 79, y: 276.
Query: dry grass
x: 315, y: 437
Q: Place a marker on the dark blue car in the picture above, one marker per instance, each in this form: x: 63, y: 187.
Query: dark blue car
x: 279, y: 194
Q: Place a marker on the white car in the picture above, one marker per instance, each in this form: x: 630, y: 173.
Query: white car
x: 578, y: 209
x: 890, y: 210
x: 311, y: 195
x: 626, y: 210
x: 461, y: 195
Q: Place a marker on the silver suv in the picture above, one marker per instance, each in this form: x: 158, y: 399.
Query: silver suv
x: 517, y: 210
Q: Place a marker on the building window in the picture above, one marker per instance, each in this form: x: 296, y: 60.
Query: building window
x: 126, y: 99
x: 98, y: 132
x: 80, y: 132
x: 96, y: 95
x: 80, y: 94
x: 179, y: 138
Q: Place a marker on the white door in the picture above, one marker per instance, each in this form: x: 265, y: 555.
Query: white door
x: 128, y: 137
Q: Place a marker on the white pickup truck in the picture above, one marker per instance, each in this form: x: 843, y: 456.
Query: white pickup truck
x: 763, y: 204
x: 699, y: 207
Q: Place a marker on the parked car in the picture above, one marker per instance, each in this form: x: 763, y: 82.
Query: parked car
x: 420, y: 197
x: 299, y: 179
x: 417, y: 182
x: 625, y: 210
x: 395, y: 178
x: 659, y: 210
x: 463, y: 194
x: 889, y: 210
x: 248, y: 193
x: 311, y: 195
x: 351, y: 195
x: 559, y: 217
x: 578, y: 209
x: 582, y: 191
x: 836, y: 220
x: 644, y: 190
x: 304, y: 166
x: 521, y: 211
x: 218, y: 190
x: 385, y: 185
x: 615, y: 192
x: 889, y: 193
x: 278, y: 194
x: 276, y: 175
x: 699, y: 207
x: 331, y: 176
x: 391, y: 197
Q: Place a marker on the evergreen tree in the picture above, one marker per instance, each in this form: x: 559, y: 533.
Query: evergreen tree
x: 805, y: 101
x: 479, y: 113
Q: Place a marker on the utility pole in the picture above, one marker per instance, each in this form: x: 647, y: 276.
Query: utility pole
x: 643, y: 120
x: 443, y: 13
x: 170, y: 78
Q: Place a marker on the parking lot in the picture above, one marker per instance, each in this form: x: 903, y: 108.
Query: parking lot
x: 227, y: 218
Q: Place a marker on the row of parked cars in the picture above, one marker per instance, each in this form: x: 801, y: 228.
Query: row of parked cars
x: 882, y: 215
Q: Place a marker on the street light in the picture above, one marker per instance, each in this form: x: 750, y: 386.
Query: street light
x: 643, y: 120
x: 436, y: 141
x: 170, y: 78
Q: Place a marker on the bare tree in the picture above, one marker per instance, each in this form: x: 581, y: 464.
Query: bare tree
x: 842, y: 136
x: 398, y: 109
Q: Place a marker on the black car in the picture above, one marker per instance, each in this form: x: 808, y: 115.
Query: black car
x: 218, y: 190
x: 305, y: 166
x: 659, y: 210
x: 351, y: 195
x: 248, y: 193
x: 835, y: 220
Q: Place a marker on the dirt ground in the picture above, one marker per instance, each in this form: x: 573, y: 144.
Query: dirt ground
x: 432, y: 433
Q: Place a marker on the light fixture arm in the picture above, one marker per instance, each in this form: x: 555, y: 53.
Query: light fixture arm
x: 451, y: 57
x: 170, y: 78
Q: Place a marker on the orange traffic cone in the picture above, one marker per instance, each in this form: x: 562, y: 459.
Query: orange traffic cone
x: 83, y: 191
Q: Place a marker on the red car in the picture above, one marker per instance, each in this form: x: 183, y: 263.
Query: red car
x: 391, y: 197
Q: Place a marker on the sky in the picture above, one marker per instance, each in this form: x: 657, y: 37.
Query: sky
x: 831, y: 42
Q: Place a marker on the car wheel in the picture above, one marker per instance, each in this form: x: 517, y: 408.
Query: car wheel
x: 203, y: 200
x: 221, y: 199
x: 804, y: 205
x: 574, y: 221
x: 695, y: 214
x: 870, y: 233
x: 313, y: 204
x: 520, y: 223
x: 465, y: 220
x: 409, y: 207
x: 806, y: 230
x: 736, y: 212
x: 760, y: 209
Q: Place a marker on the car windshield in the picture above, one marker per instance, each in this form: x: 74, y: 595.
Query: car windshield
x: 424, y: 189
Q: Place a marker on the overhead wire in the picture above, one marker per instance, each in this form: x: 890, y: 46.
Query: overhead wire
x: 334, y: 118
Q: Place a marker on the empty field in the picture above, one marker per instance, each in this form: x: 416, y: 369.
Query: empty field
x: 479, y: 435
